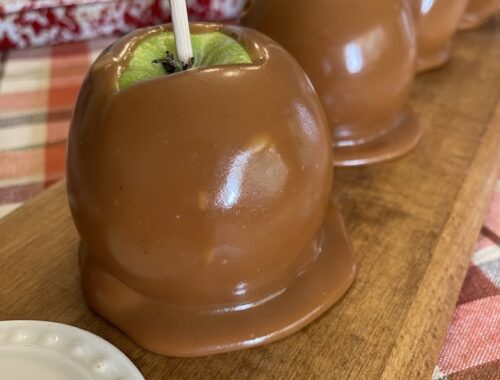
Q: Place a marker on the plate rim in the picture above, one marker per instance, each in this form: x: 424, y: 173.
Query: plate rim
x: 68, y: 330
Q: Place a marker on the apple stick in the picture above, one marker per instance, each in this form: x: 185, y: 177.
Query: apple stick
x: 182, y: 33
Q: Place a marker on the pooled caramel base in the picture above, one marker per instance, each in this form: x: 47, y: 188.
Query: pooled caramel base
x: 434, y: 61
x: 397, y: 140
x: 436, y: 25
x: 478, y: 13
x: 473, y: 22
x: 173, y: 331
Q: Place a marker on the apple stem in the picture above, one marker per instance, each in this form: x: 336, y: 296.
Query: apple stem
x: 182, y: 33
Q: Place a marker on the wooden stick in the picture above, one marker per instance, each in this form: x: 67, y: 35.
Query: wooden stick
x: 182, y: 33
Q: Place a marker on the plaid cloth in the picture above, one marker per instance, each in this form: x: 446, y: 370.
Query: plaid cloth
x: 38, y: 88
x: 472, y: 346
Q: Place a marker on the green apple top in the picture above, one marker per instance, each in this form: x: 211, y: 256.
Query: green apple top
x: 209, y: 49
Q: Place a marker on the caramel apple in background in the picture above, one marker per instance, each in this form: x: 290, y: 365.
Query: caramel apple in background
x: 478, y: 12
x: 202, y: 197
x: 436, y: 23
x: 360, y: 56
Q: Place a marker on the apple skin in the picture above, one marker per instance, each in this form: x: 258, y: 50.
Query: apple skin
x: 209, y: 49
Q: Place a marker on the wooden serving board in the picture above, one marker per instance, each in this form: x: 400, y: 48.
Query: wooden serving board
x: 413, y: 223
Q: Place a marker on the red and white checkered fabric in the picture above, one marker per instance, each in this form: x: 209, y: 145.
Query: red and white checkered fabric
x: 472, y: 346
x: 25, y: 23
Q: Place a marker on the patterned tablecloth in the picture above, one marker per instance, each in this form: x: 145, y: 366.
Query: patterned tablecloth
x: 37, y: 92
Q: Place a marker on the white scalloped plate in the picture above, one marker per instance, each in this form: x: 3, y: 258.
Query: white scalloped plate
x: 52, y: 351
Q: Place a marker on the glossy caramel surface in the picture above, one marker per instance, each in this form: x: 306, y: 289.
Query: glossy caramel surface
x: 202, y: 194
x: 436, y: 22
x: 360, y: 56
x: 478, y: 12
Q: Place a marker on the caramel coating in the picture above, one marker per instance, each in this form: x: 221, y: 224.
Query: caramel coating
x: 360, y: 56
x: 478, y: 12
x: 436, y: 22
x: 202, y: 200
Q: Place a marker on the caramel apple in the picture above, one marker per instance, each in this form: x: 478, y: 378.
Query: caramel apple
x: 360, y: 56
x: 436, y: 22
x: 202, y: 197
x: 478, y: 12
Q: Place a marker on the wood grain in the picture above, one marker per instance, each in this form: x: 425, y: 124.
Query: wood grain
x: 413, y: 223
